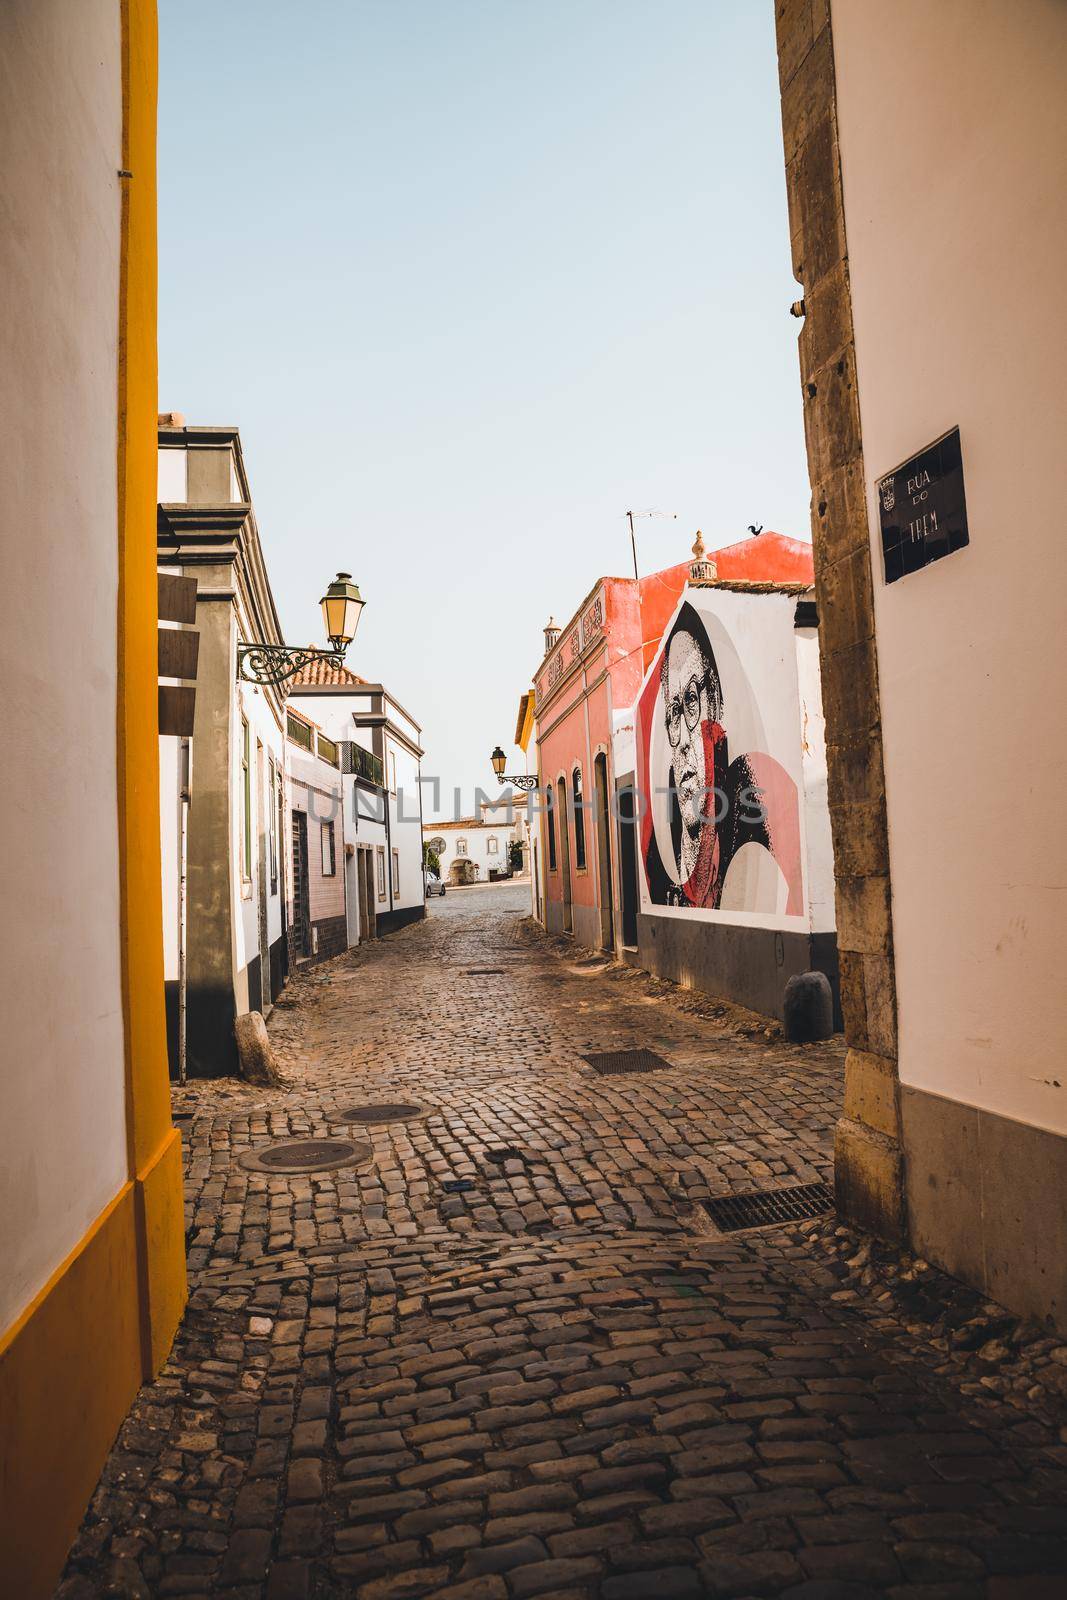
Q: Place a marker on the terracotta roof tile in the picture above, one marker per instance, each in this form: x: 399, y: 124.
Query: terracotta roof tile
x: 322, y: 674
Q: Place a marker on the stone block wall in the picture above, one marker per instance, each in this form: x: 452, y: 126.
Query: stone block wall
x: 869, y: 1166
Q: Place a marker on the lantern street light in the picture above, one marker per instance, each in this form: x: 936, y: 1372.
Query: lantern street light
x: 342, y: 605
x: 518, y: 780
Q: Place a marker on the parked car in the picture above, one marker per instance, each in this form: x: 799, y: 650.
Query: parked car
x: 432, y: 883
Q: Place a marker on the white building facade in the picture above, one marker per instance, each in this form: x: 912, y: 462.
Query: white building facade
x: 317, y: 900
x: 931, y: 371
x: 222, y: 828
x: 380, y: 754
x: 480, y: 849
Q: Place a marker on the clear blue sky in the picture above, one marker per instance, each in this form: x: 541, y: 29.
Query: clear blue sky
x: 474, y: 277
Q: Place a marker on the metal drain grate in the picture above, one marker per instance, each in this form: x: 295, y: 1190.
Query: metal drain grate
x: 305, y: 1155
x: 388, y: 1111
x: 610, y: 1063
x: 766, y: 1207
x: 483, y: 972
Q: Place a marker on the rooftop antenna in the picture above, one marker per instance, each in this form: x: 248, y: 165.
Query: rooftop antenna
x: 649, y: 513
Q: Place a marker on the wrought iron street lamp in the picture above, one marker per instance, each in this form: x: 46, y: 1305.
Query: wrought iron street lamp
x: 518, y: 780
x: 342, y: 605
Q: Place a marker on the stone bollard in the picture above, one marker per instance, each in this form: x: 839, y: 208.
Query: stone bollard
x: 808, y: 1008
x: 253, y: 1049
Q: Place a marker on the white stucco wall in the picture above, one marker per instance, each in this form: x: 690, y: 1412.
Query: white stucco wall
x: 819, y: 874
x: 169, y: 849
x: 62, y: 1096
x: 956, y: 232
x: 173, y: 475
x: 253, y: 705
x: 405, y: 822
x: 364, y: 809
x: 335, y: 714
x: 317, y: 788
x: 477, y: 836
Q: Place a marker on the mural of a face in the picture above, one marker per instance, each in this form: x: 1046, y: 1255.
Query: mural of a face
x: 721, y: 825
x: 687, y: 672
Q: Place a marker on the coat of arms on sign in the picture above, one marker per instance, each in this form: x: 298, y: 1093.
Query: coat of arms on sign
x: 887, y: 490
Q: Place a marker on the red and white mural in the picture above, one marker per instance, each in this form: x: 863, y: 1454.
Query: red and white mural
x: 719, y: 763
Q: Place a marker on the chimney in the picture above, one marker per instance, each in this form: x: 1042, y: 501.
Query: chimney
x: 551, y: 634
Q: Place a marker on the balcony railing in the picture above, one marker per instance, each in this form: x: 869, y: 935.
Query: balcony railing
x: 361, y: 763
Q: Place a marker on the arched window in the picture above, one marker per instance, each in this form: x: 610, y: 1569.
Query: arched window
x: 579, y: 821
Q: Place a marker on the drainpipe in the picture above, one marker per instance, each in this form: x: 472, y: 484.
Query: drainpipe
x: 183, y: 852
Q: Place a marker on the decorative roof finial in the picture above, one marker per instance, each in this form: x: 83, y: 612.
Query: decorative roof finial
x: 702, y: 568
x: 551, y: 634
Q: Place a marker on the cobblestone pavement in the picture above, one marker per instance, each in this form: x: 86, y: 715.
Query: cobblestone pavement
x: 509, y: 1355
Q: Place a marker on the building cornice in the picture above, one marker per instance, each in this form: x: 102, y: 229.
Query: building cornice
x: 360, y: 690
x: 198, y: 433
x: 218, y: 535
x: 197, y: 534
x: 378, y: 719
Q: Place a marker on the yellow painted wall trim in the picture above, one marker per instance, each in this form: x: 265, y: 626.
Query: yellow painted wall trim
x: 161, y: 1245
x: 11, y: 1334
x: 154, y: 1148
x: 72, y: 1363
x: 69, y: 1369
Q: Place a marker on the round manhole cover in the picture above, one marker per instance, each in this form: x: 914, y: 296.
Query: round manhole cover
x: 382, y: 1111
x: 306, y: 1155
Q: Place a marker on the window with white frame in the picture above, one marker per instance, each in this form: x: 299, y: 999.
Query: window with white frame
x: 396, y: 872
x: 461, y: 847
x: 329, y: 858
x: 491, y: 845
x: 381, y: 872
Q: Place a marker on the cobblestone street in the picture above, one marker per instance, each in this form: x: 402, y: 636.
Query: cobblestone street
x: 510, y: 1355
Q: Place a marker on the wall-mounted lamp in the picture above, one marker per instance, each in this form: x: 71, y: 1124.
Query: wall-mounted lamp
x: 518, y: 780
x: 342, y: 606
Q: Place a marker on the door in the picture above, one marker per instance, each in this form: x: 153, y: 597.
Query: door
x: 301, y: 891
x: 603, y: 845
x: 564, y: 854
x: 352, y: 897
x: 367, y: 920
x: 628, y: 861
